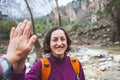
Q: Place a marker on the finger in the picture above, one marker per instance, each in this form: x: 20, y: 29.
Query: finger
x: 21, y: 27
x: 17, y: 29
x: 32, y: 41
x: 26, y: 32
x: 12, y: 33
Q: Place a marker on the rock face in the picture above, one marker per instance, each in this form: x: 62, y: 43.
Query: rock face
x: 71, y: 14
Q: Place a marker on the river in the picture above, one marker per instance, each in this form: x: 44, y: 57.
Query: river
x: 99, y: 63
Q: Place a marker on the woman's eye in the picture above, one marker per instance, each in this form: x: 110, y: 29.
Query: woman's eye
x: 62, y: 39
x: 55, y: 39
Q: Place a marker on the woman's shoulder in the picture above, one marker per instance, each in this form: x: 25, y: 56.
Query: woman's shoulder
x: 37, y: 64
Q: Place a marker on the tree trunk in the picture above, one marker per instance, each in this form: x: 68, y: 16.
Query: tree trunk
x: 37, y: 44
x: 59, y: 16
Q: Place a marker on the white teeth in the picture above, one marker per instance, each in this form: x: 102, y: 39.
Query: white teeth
x: 59, y: 48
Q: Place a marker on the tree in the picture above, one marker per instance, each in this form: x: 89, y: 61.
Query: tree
x: 58, y: 11
x: 113, y: 8
x: 59, y: 16
x: 37, y: 44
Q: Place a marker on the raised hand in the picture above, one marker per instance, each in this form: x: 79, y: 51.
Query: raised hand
x: 20, y: 42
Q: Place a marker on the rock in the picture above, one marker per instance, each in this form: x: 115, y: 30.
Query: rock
x: 117, y: 43
x: 102, y: 60
x: 110, y: 58
x: 117, y: 58
x: 92, y: 79
x: 102, y: 68
x: 86, y: 58
x: 104, y: 36
x: 90, y: 73
x: 109, y: 64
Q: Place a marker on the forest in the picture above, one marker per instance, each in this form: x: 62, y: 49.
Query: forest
x: 92, y: 24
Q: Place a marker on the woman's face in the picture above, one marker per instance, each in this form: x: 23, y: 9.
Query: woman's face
x: 58, y: 43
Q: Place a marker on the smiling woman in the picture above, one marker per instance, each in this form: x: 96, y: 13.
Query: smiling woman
x: 57, y: 44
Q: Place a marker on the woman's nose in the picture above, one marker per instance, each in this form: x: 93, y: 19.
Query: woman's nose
x: 59, y: 42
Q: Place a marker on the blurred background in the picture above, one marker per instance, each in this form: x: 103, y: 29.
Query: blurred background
x: 93, y: 26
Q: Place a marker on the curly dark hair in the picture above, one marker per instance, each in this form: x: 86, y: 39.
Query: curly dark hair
x: 46, y: 43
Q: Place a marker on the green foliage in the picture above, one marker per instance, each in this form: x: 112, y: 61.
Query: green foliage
x: 42, y: 28
x: 75, y: 26
x: 113, y: 4
x: 99, y: 12
x: 95, y: 24
x: 113, y: 7
x: 40, y: 36
x: 40, y: 20
x: 105, y: 12
x: 4, y: 25
x: 64, y: 22
x: 116, y: 4
x: 78, y: 27
x: 83, y: 26
x: 39, y: 27
x: 5, y: 28
x: 40, y: 24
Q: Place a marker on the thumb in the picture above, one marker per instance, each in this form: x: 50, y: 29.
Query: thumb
x: 32, y: 41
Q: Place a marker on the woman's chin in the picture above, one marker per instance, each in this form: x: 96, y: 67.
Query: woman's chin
x: 59, y: 54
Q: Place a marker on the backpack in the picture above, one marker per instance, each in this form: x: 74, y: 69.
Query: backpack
x: 46, y: 68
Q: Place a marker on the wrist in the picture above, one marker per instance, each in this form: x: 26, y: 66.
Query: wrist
x: 17, y: 67
x: 10, y: 58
